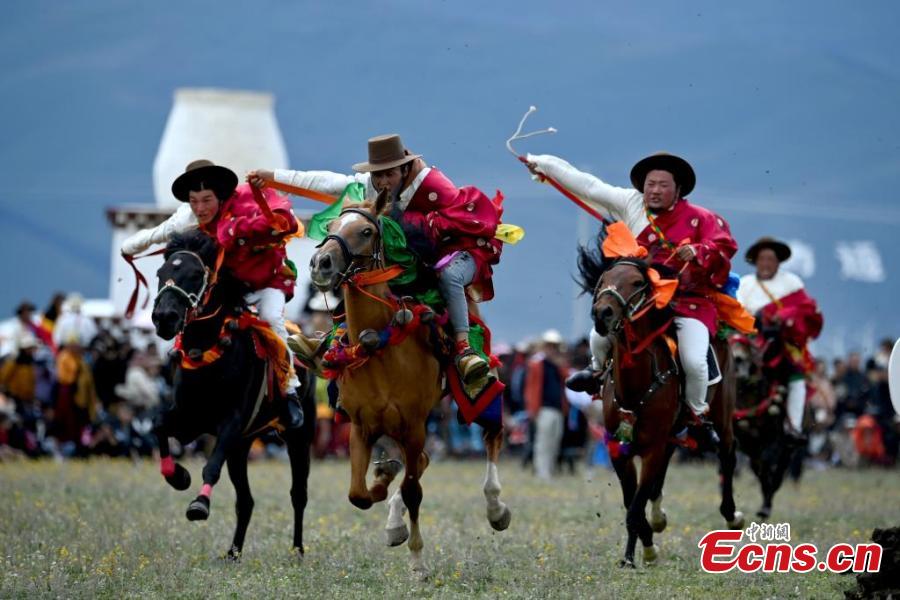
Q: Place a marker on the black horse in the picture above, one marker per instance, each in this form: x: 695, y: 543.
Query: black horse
x: 227, y: 398
x: 762, y: 377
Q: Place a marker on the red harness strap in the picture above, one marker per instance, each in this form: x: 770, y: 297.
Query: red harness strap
x: 627, y: 359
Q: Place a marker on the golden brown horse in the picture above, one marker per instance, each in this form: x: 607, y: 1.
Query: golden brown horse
x: 393, y: 391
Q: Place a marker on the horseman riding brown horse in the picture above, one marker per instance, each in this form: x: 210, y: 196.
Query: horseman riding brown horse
x: 389, y: 392
x: 642, y: 410
x: 670, y: 233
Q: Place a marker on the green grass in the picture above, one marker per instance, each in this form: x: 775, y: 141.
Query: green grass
x: 114, y: 529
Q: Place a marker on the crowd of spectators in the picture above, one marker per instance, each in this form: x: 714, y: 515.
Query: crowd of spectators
x: 72, y: 385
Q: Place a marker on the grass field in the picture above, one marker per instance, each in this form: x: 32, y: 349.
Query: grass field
x: 114, y: 529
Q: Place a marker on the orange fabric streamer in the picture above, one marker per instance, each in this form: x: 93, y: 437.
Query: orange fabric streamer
x: 620, y: 243
x: 299, y: 191
x: 733, y: 313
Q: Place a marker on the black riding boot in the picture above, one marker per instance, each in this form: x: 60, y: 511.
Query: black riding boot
x: 586, y: 380
x: 292, y: 412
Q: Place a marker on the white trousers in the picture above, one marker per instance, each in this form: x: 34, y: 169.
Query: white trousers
x: 269, y: 304
x: 693, y: 343
x: 796, y: 401
x: 548, y: 433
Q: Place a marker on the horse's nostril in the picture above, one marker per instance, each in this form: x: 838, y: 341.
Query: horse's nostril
x: 325, y: 262
x: 606, y: 313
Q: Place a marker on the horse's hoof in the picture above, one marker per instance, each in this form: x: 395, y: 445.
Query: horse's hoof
x: 737, y: 522
x: 764, y: 513
x: 180, y: 479
x: 420, y: 571
x: 397, y: 535
x: 627, y: 563
x: 651, y: 553
x: 233, y: 554
x: 502, y: 523
x: 297, y: 554
x: 362, y: 503
x: 659, y: 525
x: 198, y: 510
x: 390, y: 468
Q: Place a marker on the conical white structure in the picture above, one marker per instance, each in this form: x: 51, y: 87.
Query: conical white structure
x: 235, y: 129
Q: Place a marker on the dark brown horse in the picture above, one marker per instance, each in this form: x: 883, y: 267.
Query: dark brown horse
x: 393, y: 391
x: 642, y: 405
x: 763, y: 374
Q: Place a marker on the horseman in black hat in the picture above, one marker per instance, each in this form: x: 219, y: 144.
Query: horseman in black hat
x: 779, y: 300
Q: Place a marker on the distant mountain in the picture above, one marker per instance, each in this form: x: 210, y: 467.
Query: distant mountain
x: 787, y: 111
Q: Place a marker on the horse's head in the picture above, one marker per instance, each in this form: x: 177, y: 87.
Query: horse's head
x: 622, y: 290
x: 183, y: 279
x: 353, y: 244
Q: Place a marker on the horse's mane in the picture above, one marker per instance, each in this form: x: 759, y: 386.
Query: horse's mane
x: 591, y: 264
x: 197, y: 242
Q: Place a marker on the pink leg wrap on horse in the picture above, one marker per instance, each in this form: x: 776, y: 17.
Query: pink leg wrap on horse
x: 167, y: 466
x: 206, y: 490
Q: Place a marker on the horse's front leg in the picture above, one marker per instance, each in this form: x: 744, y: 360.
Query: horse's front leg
x: 227, y: 439
x: 360, y: 454
x: 654, y: 465
x: 176, y: 475
x: 625, y: 471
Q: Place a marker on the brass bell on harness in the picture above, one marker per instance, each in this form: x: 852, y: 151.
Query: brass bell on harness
x: 224, y: 341
x: 369, y: 339
x: 427, y: 316
x: 402, y: 317
x: 232, y: 325
x: 195, y: 354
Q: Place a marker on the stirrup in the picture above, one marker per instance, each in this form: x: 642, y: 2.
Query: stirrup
x: 477, y: 370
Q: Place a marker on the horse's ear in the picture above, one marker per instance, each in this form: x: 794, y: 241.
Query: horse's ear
x: 382, y: 201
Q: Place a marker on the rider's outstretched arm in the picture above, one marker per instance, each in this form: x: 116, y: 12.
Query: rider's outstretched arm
x: 181, y: 220
x: 619, y: 203
x: 326, y: 182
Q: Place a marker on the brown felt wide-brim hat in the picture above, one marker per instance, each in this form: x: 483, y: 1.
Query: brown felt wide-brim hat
x: 205, y: 175
x: 680, y: 169
x: 782, y: 250
x: 385, y: 152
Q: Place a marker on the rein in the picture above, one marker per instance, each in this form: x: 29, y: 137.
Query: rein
x: 377, y: 255
x: 139, y: 280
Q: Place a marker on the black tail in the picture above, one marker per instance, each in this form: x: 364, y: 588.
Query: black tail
x: 591, y: 264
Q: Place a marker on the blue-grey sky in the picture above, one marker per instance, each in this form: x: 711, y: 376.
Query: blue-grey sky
x: 788, y: 112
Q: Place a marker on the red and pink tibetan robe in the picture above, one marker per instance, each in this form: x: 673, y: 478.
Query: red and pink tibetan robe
x: 709, y: 234
x: 255, y: 245
x: 459, y: 219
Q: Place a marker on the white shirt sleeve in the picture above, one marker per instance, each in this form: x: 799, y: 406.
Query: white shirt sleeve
x: 181, y: 220
x: 745, y: 289
x: 619, y: 203
x: 326, y: 182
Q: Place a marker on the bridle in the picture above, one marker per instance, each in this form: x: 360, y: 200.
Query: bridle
x: 193, y: 299
x: 632, y: 309
x: 353, y: 260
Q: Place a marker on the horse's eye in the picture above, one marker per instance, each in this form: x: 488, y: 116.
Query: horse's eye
x: 367, y: 232
x: 637, y: 283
